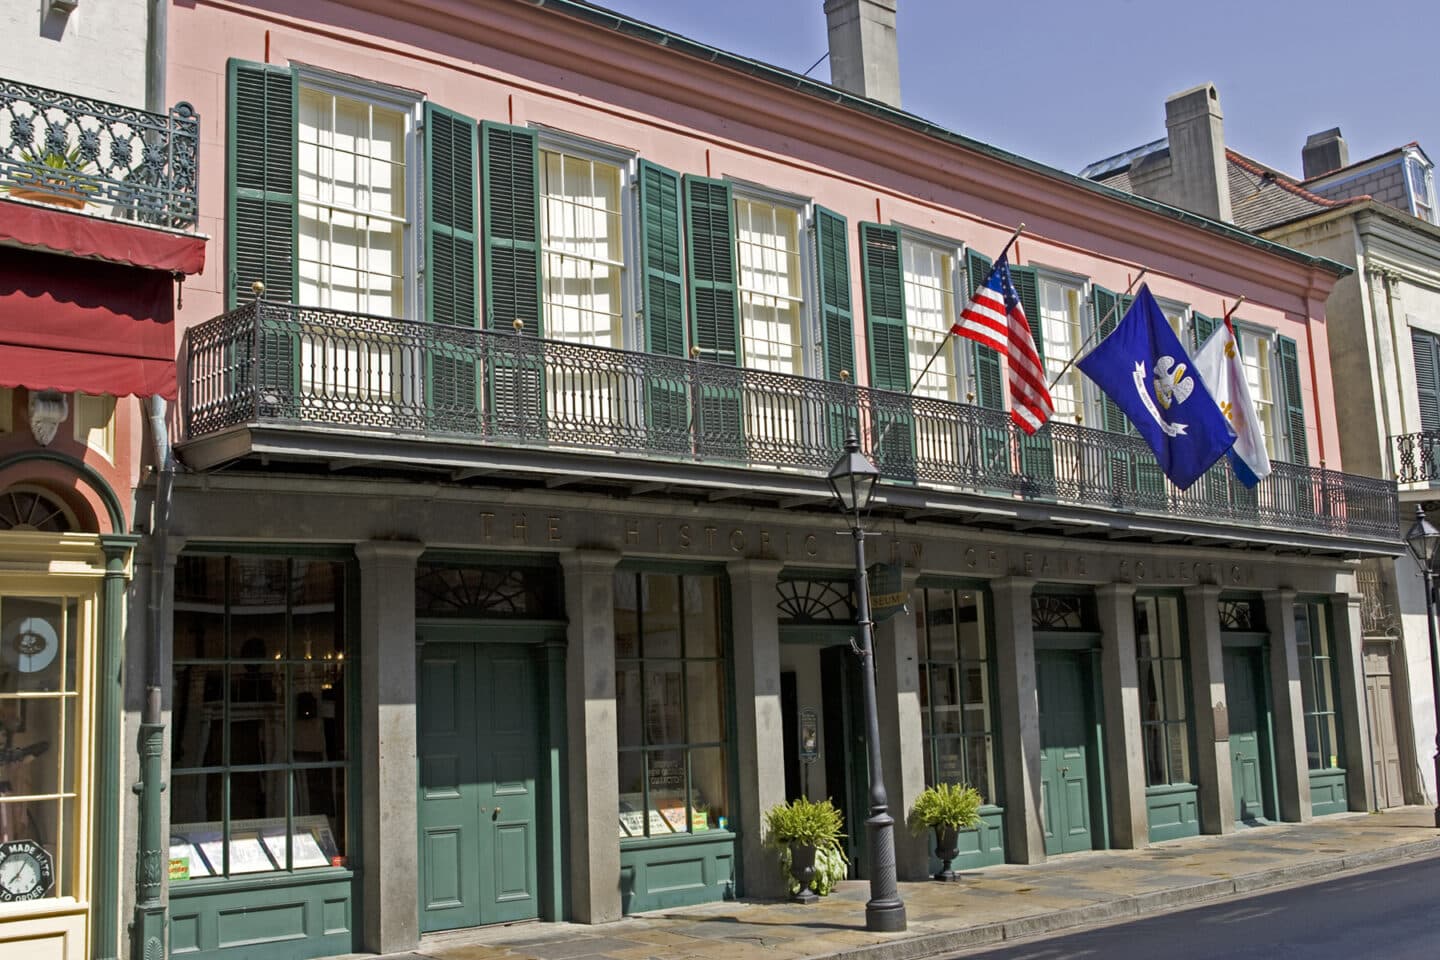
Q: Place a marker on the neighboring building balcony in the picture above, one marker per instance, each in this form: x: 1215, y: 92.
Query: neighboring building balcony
x: 271, y: 381
x: 100, y: 158
x: 1415, y: 458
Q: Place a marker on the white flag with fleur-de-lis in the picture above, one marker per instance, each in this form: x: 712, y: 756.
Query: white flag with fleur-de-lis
x: 1218, y: 363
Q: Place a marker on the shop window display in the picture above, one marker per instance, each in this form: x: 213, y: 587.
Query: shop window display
x: 260, y: 756
x: 671, y: 705
x: 40, y: 747
x: 955, y: 702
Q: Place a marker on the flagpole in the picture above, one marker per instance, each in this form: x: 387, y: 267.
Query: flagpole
x: 1226, y: 319
x: 1093, y: 333
x: 948, y: 333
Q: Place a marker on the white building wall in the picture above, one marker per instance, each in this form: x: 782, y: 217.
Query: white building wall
x: 1411, y: 590
x: 98, y: 50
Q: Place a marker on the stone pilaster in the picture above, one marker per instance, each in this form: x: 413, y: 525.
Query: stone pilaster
x: 1019, y: 709
x: 390, y: 911
x: 897, y: 698
x: 1212, y: 718
x: 594, y: 779
x: 1124, y: 748
x: 1292, y: 770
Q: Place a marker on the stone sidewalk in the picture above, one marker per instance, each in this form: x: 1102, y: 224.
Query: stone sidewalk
x: 988, y: 906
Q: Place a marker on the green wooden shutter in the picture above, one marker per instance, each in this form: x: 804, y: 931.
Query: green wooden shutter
x: 1426, y: 347
x: 1037, y: 455
x: 260, y: 152
x: 262, y: 222
x: 883, y: 279
x: 451, y: 266
x: 838, y: 319
x: 1294, y: 405
x: 989, y: 388
x: 1106, y: 317
x: 1201, y: 327
x: 509, y: 164
x: 714, y: 312
x: 663, y: 286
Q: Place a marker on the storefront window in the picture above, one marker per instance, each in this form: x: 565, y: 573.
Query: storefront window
x: 260, y: 755
x: 40, y: 746
x: 1164, y: 719
x: 670, y: 704
x: 955, y: 700
x: 1317, y: 685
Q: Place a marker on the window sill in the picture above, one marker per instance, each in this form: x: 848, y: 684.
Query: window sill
x: 200, y: 886
x: 715, y: 835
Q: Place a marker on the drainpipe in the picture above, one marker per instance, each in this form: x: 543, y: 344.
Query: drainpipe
x: 148, y: 927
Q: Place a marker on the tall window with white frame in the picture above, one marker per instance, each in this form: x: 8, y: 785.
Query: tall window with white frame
x: 1317, y: 686
x: 1164, y: 713
x: 582, y: 242
x: 772, y: 309
x: 354, y: 224
x: 1257, y: 359
x: 929, y: 315
x: 1063, y: 329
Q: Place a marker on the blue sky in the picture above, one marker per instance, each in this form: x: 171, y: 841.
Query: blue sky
x: 1067, y: 82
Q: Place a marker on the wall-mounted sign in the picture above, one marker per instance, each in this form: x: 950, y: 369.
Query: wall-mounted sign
x: 887, y: 594
x: 809, y: 735
x: 27, y: 870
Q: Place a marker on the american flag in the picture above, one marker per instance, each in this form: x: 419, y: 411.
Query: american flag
x: 995, y: 318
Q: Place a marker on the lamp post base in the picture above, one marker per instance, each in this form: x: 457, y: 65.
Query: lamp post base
x: 885, y: 916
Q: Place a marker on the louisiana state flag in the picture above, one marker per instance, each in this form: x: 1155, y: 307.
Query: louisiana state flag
x: 1143, y: 367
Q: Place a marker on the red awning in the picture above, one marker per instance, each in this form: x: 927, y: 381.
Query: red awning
x: 85, y: 325
x: 78, y: 235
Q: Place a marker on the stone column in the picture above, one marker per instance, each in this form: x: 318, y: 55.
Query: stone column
x: 1292, y: 770
x: 1351, y: 715
x: 1019, y: 707
x: 594, y: 778
x: 1120, y: 700
x: 897, y: 700
x: 759, y: 726
x: 109, y: 706
x: 388, y: 826
x: 1206, y: 660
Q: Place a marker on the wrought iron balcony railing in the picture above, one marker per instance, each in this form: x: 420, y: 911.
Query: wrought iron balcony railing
x: 74, y: 152
x: 1416, y: 457
x: 268, y: 363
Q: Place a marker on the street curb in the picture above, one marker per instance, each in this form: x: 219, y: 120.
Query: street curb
x: 1132, y: 907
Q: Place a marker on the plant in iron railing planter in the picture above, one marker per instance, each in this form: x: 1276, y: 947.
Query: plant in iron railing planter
x: 946, y: 808
x: 49, y: 176
x: 807, y: 835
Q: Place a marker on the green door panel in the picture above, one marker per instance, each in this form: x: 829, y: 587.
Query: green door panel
x: 1064, y: 752
x: 478, y: 757
x: 1248, y: 754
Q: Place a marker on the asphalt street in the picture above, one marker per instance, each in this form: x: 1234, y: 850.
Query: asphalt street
x: 1391, y: 913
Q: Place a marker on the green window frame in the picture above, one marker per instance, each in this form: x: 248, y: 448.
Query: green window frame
x: 1319, y: 685
x: 957, y: 701
x: 263, y: 646
x: 1163, y: 680
x: 672, y: 697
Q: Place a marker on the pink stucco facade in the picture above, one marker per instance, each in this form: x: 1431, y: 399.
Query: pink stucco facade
x: 521, y: 64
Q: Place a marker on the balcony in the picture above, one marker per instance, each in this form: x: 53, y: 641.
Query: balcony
x: 102, y: 158
x: 283, y: 371
x: 1415, y: 458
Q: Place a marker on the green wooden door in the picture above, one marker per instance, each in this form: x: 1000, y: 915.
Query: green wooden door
x: 477, y: 767
x: 1249, y: 758
x: 1064, y: 759
x: 847, y: 770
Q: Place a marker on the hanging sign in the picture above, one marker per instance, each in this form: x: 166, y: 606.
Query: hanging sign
x: 887, y: 595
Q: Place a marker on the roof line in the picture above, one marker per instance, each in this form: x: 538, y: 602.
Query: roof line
x: 639, y: 30
x: 1284, y: 182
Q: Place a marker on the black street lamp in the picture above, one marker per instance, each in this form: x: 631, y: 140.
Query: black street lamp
x: 852, y: 480
x: 1424, y: 542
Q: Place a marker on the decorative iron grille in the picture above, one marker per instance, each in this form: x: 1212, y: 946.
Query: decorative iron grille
x: 1416, y: 457
x: 1244, y: 615
x: 815, y: 602
x: 71, y: 151
x: 280, y: 364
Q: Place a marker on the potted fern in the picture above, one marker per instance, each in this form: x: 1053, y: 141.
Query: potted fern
x: 946, y: 808
x: 808, y: 837
x: 52, y: 176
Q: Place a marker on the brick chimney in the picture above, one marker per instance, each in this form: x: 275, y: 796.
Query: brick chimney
x: 864, y: 59
x: 1193, y: 176
x: 1323, y: 152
